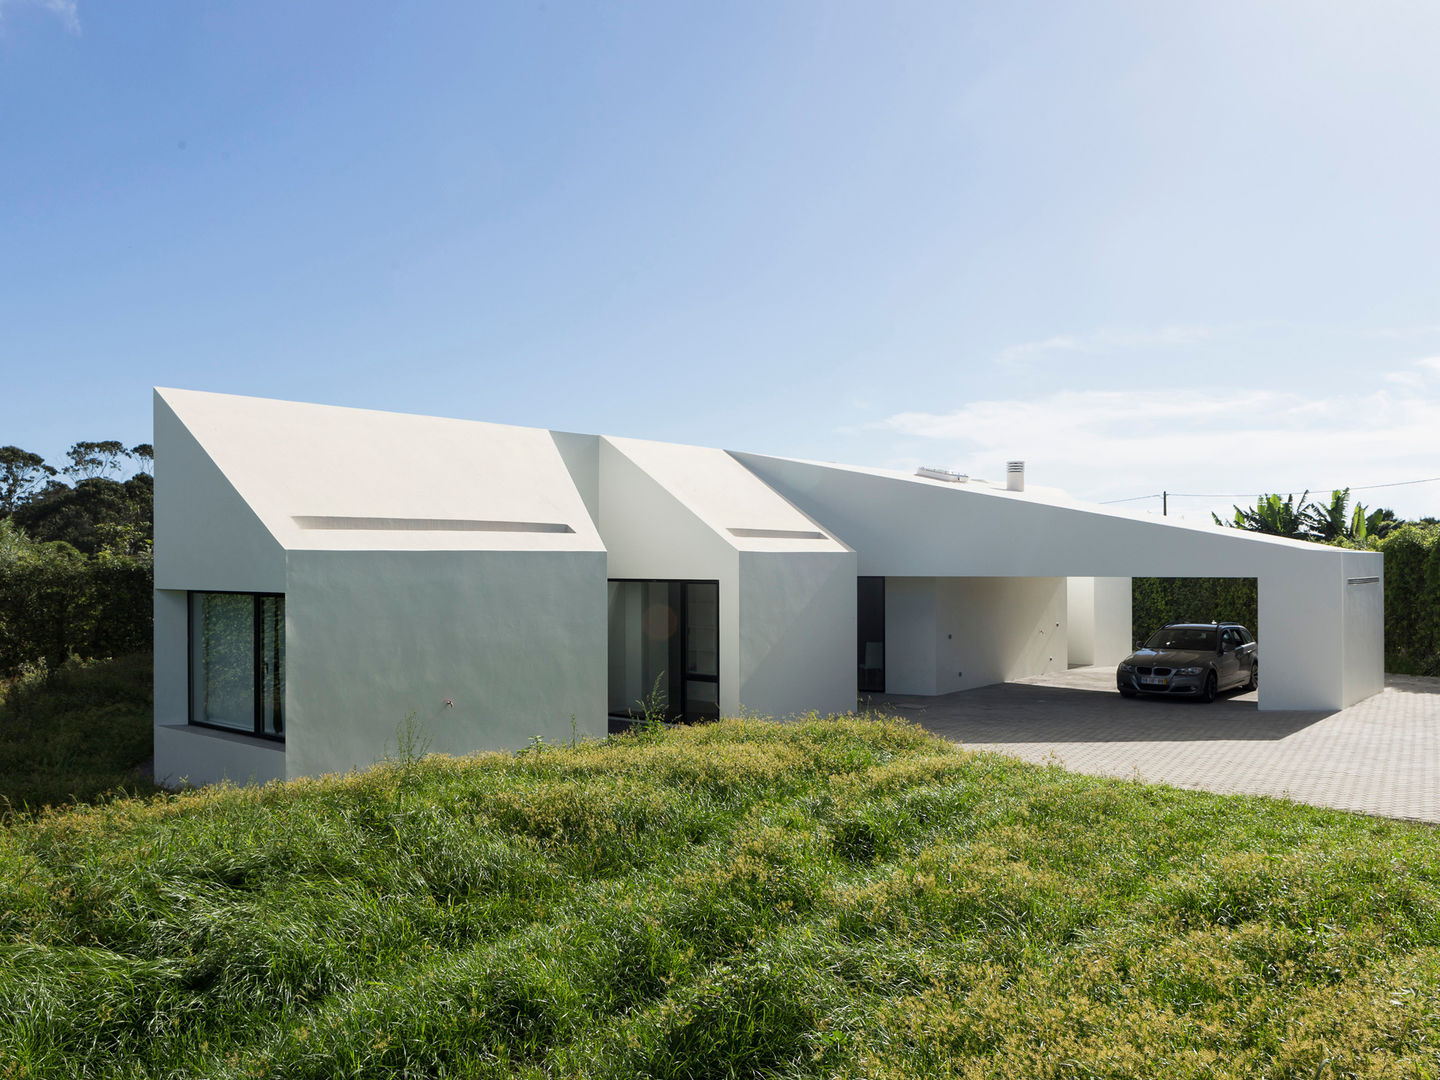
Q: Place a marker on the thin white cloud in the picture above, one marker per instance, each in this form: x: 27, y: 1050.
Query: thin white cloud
x: 1429, y: 368
x: 1412, y: 379
x: 1101, y: 342
x: 64, y: 10
x: 1406, y: 332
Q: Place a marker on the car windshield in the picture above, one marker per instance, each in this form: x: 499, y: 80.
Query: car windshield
x: 1186, y: 638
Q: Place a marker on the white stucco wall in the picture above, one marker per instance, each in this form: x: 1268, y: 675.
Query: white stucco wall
x: 517, y: 640
x: 581, y: 454
x: 797, y: 632
x: 206, y: 536
x: 948, y: 634
x: 1363, y: 611
x: 197, y: 755
x: 172, y: 654
x: 1299, y: 666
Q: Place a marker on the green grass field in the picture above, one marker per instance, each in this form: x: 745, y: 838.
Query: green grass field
x: 75, y: 733
x: 843, y: 897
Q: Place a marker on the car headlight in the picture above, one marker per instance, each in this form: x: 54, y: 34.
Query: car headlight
x: 1126, y: 667
x: 1188, y: 670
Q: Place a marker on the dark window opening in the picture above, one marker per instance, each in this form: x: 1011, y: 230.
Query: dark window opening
x: 664, y: 650
x: 870, y: 635
x: 237, y: 662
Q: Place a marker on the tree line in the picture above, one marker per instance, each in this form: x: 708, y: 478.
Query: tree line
x: 76, y: 567
x: 1412, y: 574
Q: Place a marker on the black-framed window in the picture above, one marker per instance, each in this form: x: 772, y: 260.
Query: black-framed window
x: 664, y: 646
x: 237, y: 662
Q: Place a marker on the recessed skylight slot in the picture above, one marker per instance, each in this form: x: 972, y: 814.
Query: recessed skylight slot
x: 941, y: 474
x: 778, y: 534
x: 330, y: 523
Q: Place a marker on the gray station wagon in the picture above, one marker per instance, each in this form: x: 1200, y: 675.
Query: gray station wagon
x: 1195, y: 660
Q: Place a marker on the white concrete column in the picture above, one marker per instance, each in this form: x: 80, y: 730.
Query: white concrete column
x: 1112, y: 629
x: 1301, y: 656
x: 1080, y: 619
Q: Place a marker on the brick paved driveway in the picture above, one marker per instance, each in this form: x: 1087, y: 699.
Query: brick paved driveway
x: 1381, y: 756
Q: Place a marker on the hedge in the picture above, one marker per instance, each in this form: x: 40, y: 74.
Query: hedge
x: 1157, y: 601
x: 1412, y: 600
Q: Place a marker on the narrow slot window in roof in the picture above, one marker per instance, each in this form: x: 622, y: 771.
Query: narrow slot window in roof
x: 779, y: 534
x: 399, y: 524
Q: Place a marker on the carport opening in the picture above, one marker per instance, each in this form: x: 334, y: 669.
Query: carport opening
x: 1157, y: 601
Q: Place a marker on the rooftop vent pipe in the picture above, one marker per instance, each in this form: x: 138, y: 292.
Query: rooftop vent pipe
x: 941, y: 474
x: 1014, y: 476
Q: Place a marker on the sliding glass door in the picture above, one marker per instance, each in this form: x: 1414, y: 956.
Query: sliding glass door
x: 665, y: 649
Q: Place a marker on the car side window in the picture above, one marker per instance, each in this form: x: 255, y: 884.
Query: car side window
x: 1244, y: 635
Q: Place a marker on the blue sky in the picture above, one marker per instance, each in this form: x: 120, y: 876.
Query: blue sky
x: 1143, y: 246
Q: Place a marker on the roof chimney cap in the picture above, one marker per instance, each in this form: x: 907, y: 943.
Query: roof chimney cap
x: 1015, y: 476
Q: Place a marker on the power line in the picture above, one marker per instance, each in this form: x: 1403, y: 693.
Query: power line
x: 1252, y: 494
x: 1133, y: 498
x: 1397, y: 483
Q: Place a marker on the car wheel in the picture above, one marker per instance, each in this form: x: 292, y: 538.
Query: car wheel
x: 1211, y: 684
x: 1254, y: 683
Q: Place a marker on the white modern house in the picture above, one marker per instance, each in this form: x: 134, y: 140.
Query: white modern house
x: 322, y: 574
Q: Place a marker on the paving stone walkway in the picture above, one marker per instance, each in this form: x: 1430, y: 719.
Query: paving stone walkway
x: 1380, y: 756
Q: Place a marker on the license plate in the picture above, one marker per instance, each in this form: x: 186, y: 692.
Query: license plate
x: 1152, y: 680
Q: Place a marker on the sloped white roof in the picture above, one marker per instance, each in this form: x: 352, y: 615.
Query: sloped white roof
x: 1039, y: 496
x: 729, y: 498
x: 330, y: 478
x: 901, y: 524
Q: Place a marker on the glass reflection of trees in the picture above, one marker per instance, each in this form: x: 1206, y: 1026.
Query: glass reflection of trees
x: 238, y: 655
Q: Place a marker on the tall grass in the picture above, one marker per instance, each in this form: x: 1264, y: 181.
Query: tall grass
x: 75, y: 732
x: 834, y: 897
